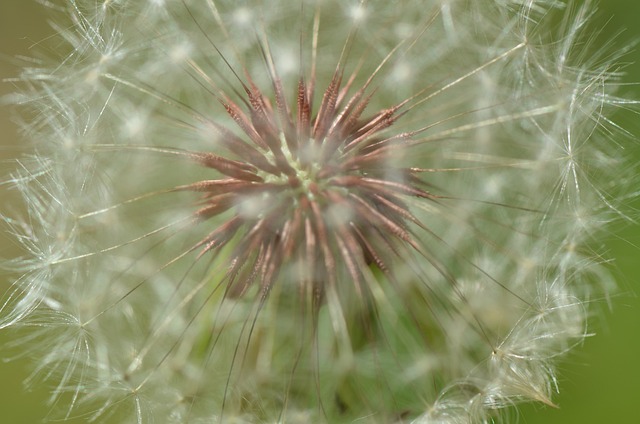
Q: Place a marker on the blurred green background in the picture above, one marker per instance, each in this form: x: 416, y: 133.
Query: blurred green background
x: 599, y: 383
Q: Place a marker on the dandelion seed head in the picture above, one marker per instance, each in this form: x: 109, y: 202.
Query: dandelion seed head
x: 313, y: 212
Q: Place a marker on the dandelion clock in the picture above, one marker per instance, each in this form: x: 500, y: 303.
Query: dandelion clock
x: 312, y: 211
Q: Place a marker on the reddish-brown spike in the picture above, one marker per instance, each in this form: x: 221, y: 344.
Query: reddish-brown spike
x: 240, y: 276
x: 355, y: 99
x: 344, y: 124
x: 220, y: 236
x: 370, y: 214
x: 284, y: 112
x: 242, y: 149
x: 343, y: 92
x: 370, y: 252
x: 352, y: 113
x: 245, y: 124
x: 400, y: 210
x: 327, y: 108
x: 215, y: 207
x: 229, y: 185
x: 381, y: 160
x: 231, y: 168
x: 393, y: 141
x: 264, y: 124
x: 323, y: 240
x: 304, y: 113
x: 375, y: 124
x: 262, y: 117
x: 378, y: 122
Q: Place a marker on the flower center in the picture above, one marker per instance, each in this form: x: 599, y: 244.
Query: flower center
x: 304, y: 177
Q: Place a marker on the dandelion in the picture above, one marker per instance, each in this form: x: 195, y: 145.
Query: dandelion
x: 313, y: 211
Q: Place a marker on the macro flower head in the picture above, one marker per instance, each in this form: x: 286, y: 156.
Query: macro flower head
x: 312, y: 211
